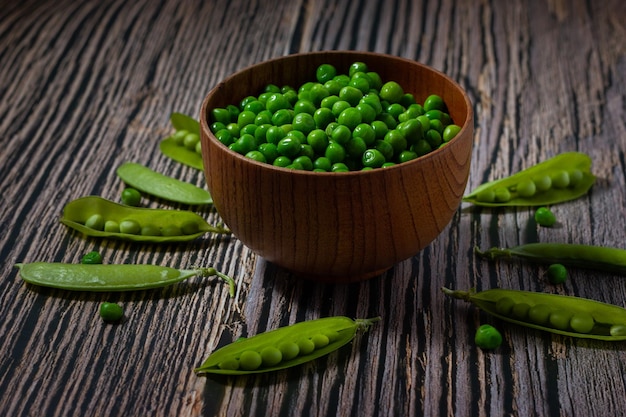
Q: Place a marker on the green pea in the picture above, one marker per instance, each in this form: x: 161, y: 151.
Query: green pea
x: 544, y: 217
x: 450, y: 132
x: 539, y: 313
x: 122, y: 220
x: 502, y: 194
x: 422, y: 147
x: 557, y: 273
x: 162, y: 186
x: 289, y: 350
x: 171, y: 230
x: 190, y: 141
x: 250, y: 360
x: 91, y: 258
x: 190, y: 227
x: 560, y: 319
x: 150, y: 230
x: 618, y: 330
x: 111, y: 226
x: 397, y: 141
x: 520, y: 311
x: 130, y: 227
x: 365, y: 132
x: 526, y: 188
x: 95, y: 221
x: 543, y: 183
x: 350, y: 117
x: 325, y: 72
x: 271, y: 356
x: 504, y: 306
x: 560, y: 179
x: 582, y: 322
x: 391, y: 91
x: 373, y: 158
x: 320, y: 340
x: 256, y: 156
x: 434, y: 102
x: 322, y: 164
x: 575, y: 177
x: 111, y: 312
x: 131, y: 197
x: 488, y: 337
x: 335, y: 152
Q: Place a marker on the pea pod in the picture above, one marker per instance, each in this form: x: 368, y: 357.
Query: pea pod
x: 109, y: 277
x: 560, y: 314
x: 284, y: 347
x: 174, y: 145
x: 98, y: 217
x: 569, y: 254
x: 162, y: 186
x: 564, y: 177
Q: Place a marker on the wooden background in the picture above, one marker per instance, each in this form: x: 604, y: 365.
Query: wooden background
x: 88, y: 85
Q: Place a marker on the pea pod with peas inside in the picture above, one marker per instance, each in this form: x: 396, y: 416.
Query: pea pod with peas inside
x: 569, y: 254
x: 284, y: 347
x: 162, y: 186
x: 99, y: 217
x: 564, y: 177
x: 184, y: 144
x: 560, y: 314
x: 110, y: 277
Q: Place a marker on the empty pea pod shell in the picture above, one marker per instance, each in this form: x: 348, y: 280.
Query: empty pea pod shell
x: 543, y: 180
x: 570, y: 254
x: 338, y: 331
x: 173, y: 150
x: 109, y: 277
x: 606, y: 321
x: 77, y: 212
x: 162, y: 186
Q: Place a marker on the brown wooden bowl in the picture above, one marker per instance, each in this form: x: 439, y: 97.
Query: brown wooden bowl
x: 338, y: 227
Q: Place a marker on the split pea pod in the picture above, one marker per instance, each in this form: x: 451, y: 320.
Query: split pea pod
x: 560, y: 314
x: 284, y: 347
x: 564, y: 177
x: 184, y: 145
x: 99, y: 217
x: 570, y: 254
x: 110, y: 277
x: 162, y: 186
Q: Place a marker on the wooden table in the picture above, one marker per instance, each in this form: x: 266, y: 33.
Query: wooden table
x: 88, y: 85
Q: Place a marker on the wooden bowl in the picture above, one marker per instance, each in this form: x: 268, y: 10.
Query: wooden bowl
x: 338, y: 227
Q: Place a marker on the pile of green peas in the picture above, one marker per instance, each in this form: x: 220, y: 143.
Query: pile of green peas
x: 133, y: 227
x: 340, y: 122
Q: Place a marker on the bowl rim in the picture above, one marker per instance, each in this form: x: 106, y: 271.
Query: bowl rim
x: 204, y: 126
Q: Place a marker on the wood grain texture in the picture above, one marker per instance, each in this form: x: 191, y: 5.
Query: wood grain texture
x: 88, y: 85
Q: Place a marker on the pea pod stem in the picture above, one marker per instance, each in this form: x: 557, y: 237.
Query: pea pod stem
x: 578, y: 255
x: 111, y: 277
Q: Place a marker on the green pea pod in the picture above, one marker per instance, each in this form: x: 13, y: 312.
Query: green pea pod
x: 583, y: 256
x: 284, y: 347
x: 92, y: 216
x: 560, y: 314
x: 172, y: 148
x: 162, y: 186
x: 103, y: 277
x: 564, y: 177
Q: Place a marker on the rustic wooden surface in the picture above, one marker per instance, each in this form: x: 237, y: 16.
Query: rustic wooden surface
x: 88, y: 85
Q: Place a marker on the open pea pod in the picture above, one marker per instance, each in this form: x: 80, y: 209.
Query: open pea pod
x: 175, y: 147
x: 284, y: 347
x: 162, y: 186
x: 99, y: 217
x: 565, y: 177
x: 560, y: 314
